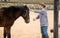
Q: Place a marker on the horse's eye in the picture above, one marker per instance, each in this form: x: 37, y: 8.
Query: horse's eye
x: 25, y: 10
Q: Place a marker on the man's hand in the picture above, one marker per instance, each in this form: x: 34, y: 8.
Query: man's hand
x: 34, y: 19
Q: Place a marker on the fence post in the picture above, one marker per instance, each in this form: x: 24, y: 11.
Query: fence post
x: 56, y: 6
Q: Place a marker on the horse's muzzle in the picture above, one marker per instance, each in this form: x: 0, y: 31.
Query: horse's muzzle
x: 27, y: 21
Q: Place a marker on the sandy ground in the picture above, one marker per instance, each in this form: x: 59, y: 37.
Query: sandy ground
x: 32, y: 30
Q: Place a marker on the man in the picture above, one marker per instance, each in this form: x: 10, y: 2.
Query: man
x: 43, y: 20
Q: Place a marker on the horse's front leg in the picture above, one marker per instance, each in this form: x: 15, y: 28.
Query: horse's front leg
x: 8, y: 32
x: 4, y: 32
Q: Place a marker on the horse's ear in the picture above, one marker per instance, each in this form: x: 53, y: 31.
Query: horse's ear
x: 25, y: 6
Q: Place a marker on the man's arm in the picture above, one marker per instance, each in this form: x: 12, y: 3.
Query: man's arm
x: 37, y: 11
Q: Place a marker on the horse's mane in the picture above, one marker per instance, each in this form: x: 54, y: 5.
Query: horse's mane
x: 15, y: 8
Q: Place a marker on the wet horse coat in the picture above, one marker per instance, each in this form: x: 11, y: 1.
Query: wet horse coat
x: 9, y: 14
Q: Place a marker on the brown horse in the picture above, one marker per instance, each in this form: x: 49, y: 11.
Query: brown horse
x: 9, y: 14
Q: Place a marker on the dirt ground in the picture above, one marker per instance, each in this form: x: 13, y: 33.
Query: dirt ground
x: 32, y: 30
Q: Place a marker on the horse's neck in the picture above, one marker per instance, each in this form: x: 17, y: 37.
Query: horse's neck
x: 16, y: 16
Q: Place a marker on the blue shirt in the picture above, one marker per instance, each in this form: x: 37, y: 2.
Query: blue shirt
x: 43, y: 16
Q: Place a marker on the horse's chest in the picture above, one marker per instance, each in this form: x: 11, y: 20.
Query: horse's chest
x: 5, y: 22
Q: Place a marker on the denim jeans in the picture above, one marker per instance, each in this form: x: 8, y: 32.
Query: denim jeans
x: 44, y: 31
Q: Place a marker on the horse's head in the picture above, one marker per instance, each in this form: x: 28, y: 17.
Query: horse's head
x: 25, y: 14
